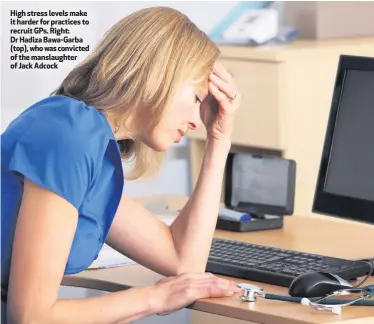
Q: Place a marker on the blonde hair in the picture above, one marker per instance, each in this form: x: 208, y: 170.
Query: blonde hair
x: 136, y: 70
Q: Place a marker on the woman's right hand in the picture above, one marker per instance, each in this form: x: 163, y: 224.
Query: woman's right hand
x: 174, y: 293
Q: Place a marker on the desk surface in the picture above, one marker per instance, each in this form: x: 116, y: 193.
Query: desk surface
x: 306, y: 234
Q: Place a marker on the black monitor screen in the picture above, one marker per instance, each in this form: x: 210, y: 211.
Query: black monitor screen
x: 345, y: 184
x: 350, y: 169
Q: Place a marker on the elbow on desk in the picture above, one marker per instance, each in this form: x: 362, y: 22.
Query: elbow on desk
x: 25, y: 315
x: 23, y: 319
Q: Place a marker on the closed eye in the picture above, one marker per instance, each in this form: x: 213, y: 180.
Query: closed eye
x: 197, y: 99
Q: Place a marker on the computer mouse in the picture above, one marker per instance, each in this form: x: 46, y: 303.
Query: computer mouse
x: 316, y: 284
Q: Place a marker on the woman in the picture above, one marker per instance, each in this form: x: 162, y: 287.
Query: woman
x: 150, y: 80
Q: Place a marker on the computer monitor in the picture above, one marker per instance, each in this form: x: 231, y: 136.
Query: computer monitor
x: 345, y: 183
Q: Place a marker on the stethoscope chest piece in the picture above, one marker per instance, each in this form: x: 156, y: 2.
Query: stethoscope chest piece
x: 249, y: 292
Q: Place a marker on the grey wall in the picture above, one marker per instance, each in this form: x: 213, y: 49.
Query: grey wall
x: 21, y: 88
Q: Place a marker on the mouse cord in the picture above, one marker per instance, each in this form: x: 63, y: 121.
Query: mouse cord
x: 371, y: 263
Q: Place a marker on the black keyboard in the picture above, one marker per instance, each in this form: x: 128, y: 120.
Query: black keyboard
x: 273, y: 265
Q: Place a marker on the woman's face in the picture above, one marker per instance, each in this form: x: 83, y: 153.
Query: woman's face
x: 183, y: 115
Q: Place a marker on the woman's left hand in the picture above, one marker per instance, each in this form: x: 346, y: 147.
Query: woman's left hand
x: 219, y: 107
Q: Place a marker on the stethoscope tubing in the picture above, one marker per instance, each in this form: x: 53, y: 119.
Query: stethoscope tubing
x: 361, y: 302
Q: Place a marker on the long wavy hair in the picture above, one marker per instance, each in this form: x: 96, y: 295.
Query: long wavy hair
x: 136, y: 69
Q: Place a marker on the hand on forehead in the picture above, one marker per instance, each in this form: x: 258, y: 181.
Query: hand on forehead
x: 221, y: 71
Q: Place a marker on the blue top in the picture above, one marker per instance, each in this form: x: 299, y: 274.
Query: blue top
x: 69, y: 148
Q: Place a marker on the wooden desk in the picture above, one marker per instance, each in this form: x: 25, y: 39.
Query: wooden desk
x: 286, y: 97
x: 306, y: 234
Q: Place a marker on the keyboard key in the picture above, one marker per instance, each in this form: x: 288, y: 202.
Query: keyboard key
x: 275, y: 258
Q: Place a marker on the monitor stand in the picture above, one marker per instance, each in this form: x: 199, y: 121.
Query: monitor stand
x: 257, y: 223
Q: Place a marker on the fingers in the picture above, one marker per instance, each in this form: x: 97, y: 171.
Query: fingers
x: 225, y: 87
x: 208, y: 284
x: 202, y: 285
x: 222, y: 73
x: 226, y: 104
x: 174, y: 293
x: 214, y: 287
x: 221, y: 287
x: 222, y: 87
x: 219, y: 95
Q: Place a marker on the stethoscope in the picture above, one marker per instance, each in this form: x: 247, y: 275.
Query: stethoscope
x: 250, y: 293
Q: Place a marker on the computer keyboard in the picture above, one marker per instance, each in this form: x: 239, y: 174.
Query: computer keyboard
x: 273, y: 265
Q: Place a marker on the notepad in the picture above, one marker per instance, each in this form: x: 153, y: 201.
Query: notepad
x: 109, y: 257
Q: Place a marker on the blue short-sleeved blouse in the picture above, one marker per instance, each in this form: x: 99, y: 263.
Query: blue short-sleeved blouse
x: 68, y: 147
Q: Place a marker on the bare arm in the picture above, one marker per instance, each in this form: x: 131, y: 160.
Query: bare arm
x: 138, y: 234
x: 193, y: 229
x: 45, y: 230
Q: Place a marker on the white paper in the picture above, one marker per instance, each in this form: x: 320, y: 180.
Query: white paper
x: 109, y: 257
